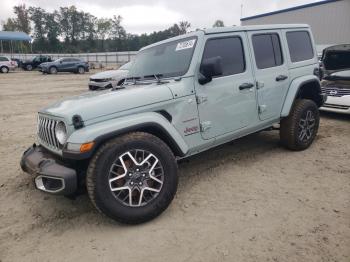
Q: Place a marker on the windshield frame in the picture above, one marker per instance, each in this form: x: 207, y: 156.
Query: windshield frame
x: 169, y: 42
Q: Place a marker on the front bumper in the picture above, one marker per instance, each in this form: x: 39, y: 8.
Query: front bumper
x: 101, y: 85
x: 50, y: 175
x: 337, y: 104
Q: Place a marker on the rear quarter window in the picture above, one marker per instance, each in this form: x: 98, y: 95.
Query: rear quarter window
x: 300, y: 46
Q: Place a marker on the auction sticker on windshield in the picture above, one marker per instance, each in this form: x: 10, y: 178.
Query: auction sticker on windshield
x: 185, y: 45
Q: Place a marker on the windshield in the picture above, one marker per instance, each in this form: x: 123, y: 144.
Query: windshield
x: 58, y: 60
x: 126, y: 66
x: 165, y: 60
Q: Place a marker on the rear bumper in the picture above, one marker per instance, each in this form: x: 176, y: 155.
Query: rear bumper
x: 49, y: 174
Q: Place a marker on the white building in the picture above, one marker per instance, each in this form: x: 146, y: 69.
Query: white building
x: 329, y: 20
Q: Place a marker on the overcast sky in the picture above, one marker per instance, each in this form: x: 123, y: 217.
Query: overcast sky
x: 142, y: 16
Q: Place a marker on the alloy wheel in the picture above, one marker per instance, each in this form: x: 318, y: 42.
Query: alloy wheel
x: 4, y: 70
x: 306, y: 126
x: 136, y: 177
x: 53, y: 70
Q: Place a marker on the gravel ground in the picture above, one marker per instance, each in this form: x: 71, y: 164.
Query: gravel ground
x: 248, y: 200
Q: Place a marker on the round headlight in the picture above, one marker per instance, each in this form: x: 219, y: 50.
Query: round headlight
x: 61, y: 133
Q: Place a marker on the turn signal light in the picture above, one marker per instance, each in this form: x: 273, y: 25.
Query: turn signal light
x: 86, y: 147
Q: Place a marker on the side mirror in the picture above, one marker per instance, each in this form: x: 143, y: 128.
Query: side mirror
x: 61, y: 62
x: 210, y: 68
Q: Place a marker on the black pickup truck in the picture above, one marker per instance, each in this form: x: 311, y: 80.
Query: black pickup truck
x: 31, y: 64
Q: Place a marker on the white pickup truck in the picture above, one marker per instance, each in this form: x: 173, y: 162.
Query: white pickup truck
x: 6, y: 64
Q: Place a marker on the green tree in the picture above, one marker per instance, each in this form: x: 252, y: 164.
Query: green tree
x: 9, y: 25
x: 22, y: 20
x: 184, y: 26
x: 104, y: 27
x: 53, y: 29
x: 70, y: 20
x: 218, y: 23
x: 81, y: 31
x: 117, y: 29
x: 38, y: 17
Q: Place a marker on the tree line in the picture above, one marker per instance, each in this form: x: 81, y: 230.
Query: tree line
x: 70, y: 30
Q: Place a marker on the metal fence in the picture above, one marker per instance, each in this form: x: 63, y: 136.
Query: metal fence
x: 104, y: 59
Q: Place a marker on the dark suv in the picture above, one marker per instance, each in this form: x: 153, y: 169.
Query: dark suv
x: 31, y: 64
x: 73, y: 65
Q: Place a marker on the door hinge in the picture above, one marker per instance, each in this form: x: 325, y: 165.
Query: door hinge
x: 259, y: 84
x: 201, y: 99
x: 205, y: 126
x: 262, y: 109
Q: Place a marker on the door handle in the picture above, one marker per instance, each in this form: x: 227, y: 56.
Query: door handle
x: 246, y: 86
x: 281, y: 78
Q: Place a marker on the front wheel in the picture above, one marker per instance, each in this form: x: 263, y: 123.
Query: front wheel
x: 4, y: 69
x: 299, y: 129
x: 29, y: 67
x: 132, y: 178
x: 53, y: 70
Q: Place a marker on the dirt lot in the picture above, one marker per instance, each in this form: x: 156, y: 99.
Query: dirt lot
x: 249, y: 200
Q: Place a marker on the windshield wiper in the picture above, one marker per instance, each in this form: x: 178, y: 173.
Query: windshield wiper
x: 157, y: 77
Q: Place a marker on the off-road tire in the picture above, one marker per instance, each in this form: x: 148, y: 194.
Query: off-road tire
x: 289, y: 128
x: 4, y: 69
x: 97, y: 178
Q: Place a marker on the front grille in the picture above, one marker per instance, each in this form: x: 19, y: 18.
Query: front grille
x: 46, y: 132
x: 97, y: 80
x: 335, y: 91
x: 336, y: 106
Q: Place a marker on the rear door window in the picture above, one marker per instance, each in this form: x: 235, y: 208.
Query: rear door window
x: 3, y: 58
x: 267, y: 50
x: 300, y: 46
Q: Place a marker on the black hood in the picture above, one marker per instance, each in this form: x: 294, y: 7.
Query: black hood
x: 336, y: 58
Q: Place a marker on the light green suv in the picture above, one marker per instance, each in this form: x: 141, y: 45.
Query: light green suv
x: 182, y: 96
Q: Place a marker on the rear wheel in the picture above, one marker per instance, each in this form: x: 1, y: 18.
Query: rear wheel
x: 4, y: 69
x: 81, y: 70
x: 299, y: 129
x: 133, y: 178
x: 29, y: 67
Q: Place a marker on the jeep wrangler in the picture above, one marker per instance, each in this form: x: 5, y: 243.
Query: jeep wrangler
x: 182, y: 96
